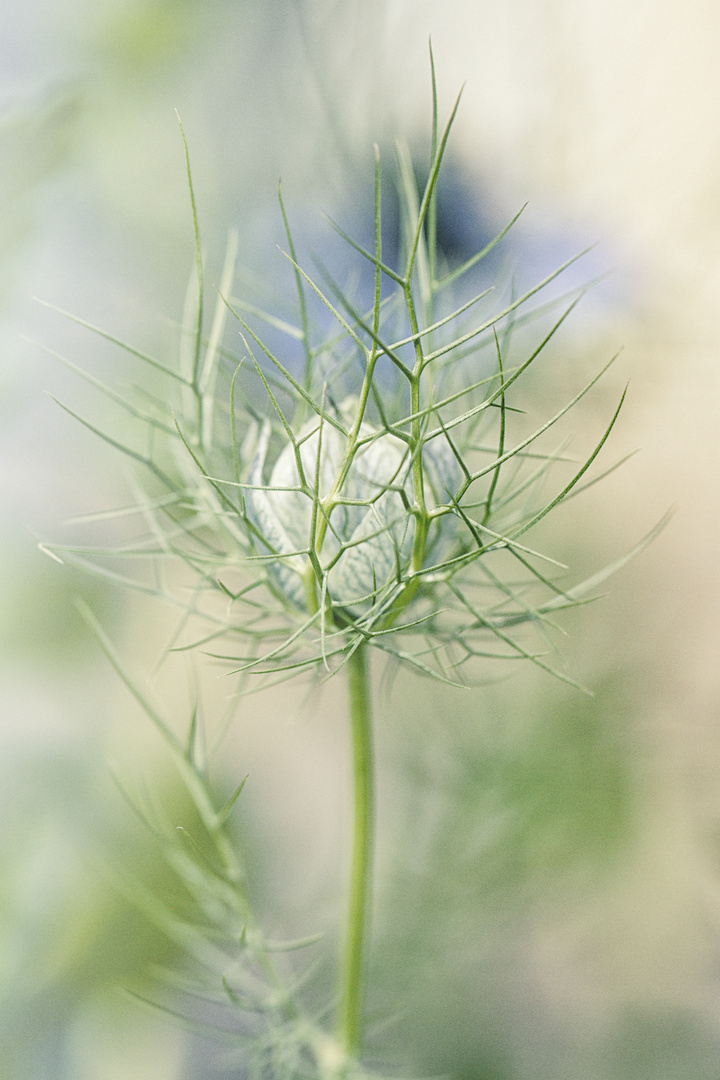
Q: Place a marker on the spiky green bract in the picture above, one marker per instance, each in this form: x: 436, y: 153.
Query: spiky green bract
x: 376, y: 490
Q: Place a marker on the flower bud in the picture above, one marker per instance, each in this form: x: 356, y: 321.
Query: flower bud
x: 358, y: 520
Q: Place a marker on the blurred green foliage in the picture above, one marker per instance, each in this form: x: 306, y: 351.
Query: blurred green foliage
x: 74, y: 863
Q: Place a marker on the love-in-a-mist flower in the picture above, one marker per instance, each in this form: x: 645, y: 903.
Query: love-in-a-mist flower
x: 384, y: 494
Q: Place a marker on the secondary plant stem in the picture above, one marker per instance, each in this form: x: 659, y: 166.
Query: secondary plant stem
x: 350, y: 1018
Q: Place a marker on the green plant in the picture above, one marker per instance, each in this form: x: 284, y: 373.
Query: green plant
x: 372, y: 492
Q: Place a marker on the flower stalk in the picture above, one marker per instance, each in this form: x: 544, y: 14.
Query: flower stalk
x: 360, y: 893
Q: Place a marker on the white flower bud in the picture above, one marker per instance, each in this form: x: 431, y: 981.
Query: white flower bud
x: 366, y: 543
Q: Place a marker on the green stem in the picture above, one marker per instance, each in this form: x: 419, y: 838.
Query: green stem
x: 350, y: 1018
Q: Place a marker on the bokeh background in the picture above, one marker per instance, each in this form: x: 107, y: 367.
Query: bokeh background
x: 549, y: 882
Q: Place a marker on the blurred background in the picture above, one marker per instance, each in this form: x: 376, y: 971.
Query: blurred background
x: 548, y: 892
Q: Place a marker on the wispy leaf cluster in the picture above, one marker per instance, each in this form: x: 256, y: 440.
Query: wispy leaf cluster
x: 364, y: 474
x: 235, y: 984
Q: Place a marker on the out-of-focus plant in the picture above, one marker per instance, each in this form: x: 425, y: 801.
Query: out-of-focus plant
x: 330, y: 494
